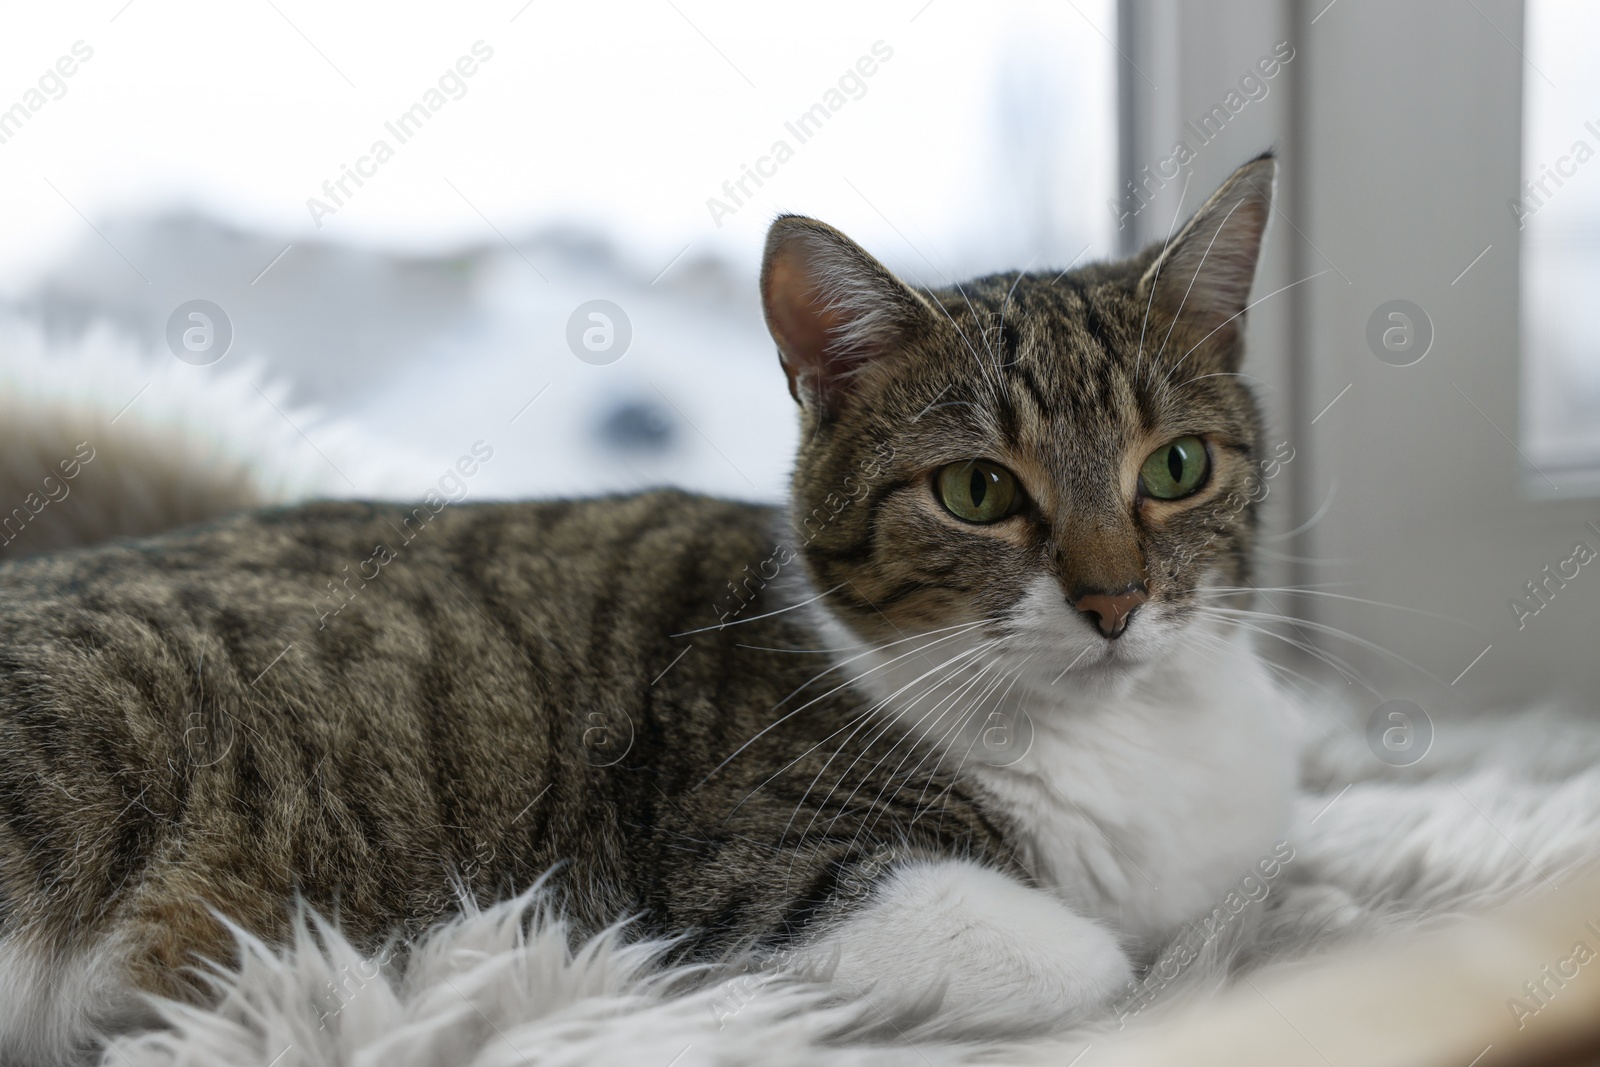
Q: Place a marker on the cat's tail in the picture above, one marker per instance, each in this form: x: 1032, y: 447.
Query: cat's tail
x: 100, y: 440
x: 69, y: 477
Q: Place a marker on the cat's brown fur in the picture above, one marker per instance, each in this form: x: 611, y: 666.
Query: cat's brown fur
x: 621, y: 687
x: 179, y: 734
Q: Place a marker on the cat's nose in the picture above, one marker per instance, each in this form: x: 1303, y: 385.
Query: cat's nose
x: 1111, y: 610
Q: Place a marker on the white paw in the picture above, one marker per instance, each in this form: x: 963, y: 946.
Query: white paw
x: 1010, y: 959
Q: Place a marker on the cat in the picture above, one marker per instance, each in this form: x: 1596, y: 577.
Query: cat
x: 961, y: 721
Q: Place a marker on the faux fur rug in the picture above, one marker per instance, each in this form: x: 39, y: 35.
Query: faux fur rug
x: 1498, y: 807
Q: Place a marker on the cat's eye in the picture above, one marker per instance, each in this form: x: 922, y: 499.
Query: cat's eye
x: 978, y: 491
x: 1176, y: 469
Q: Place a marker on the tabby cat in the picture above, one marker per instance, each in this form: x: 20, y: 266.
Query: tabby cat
x: 960, y: 718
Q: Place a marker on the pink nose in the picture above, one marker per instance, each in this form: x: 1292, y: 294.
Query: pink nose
x: 1111, y: 610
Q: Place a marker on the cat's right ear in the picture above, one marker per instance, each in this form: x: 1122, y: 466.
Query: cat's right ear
x: 1201, y: 279
x: 832, y: 309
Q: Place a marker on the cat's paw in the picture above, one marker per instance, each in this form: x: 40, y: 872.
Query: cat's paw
x: 1008, y: 959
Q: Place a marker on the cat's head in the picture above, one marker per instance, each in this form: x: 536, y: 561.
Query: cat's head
x: 1068, y: 461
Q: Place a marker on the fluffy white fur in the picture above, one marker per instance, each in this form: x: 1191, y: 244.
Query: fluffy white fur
x: 231, y: 415
x: 1001, y: 958
x: 502, y: 987
x: 1396, y: 850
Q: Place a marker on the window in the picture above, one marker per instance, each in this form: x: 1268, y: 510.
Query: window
x: 1558, y: 208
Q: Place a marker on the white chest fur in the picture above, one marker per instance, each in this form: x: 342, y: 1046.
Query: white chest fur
x: 1143, y: 807
x: 1140, y: 801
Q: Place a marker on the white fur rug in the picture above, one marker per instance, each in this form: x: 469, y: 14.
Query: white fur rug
x: 1498, y: 807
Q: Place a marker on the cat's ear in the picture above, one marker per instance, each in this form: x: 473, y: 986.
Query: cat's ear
x: 831, y: 308
x: 1201, y: 280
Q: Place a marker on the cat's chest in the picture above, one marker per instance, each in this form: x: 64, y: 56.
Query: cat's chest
x: 1141, y: 804
x: 1145, y: 810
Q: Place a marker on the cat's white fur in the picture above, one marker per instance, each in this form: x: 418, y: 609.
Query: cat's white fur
x: 58, y: 1010
x: 1004, y: 957
x: 1161, y: 768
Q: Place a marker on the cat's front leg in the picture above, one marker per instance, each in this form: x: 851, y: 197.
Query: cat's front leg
x: 1011, y: 959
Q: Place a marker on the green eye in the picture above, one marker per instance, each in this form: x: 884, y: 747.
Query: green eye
x: 978, y: 491
x: 1176, y: 469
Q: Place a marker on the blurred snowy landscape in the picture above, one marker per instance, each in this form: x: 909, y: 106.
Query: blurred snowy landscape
x: 428, y: 306
x: 425, y: 355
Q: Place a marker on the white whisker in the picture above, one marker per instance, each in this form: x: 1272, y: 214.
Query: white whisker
x: 1290, y: 590
x: 976, y: 357
x: 1318, y: 516
x: 1217, y: 644
x: 1015, y: 675
x: 1161, y: 261
x: 1236, y: 314
x: 823, y: 769
x: 1176, y: 315
x: 1304, y: 643
x: 919, y: 736
x: 1332, y: 631
x: 963, y: 628
x: 766, y: 615
x: 1243, y: 617
x: 889, y: 723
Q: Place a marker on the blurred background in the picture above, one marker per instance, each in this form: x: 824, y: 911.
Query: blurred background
x: 593, y: 153
x: 408, y: 228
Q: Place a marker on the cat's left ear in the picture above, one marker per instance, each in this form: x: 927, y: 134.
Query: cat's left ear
x: 1202, y: 279
x: 832, y: 309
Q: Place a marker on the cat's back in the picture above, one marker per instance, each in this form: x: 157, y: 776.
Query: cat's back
x: 579, y: 533
x: 349, y: 701
x: 336, y: 621
x: 279, y: 567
